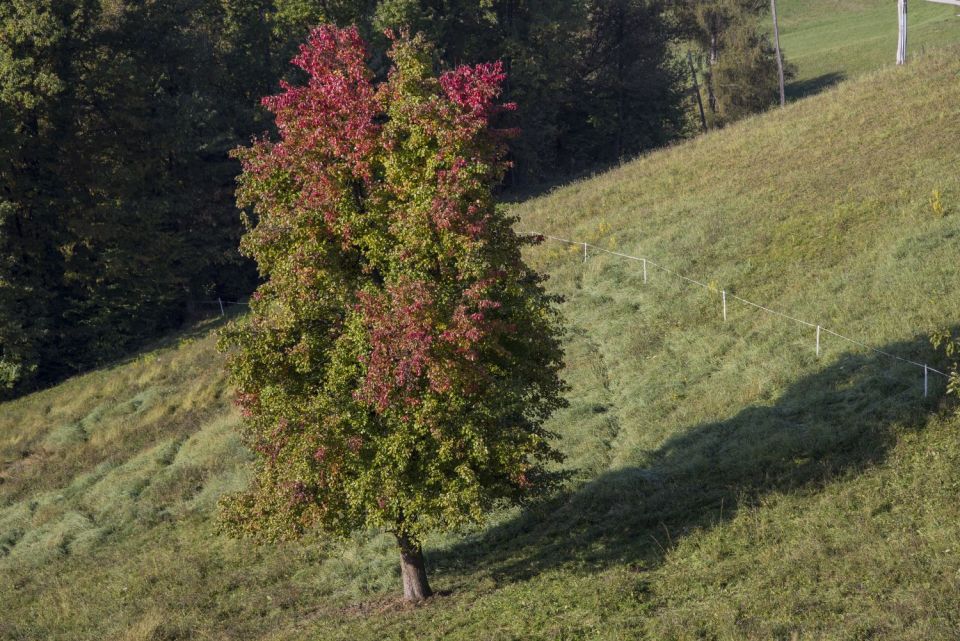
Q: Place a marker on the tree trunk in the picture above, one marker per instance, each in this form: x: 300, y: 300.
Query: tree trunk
x: 776, y: 44
x: 696, y: 90
x: 412, y: 571
x: 621, y: 82
x: 711, y: 96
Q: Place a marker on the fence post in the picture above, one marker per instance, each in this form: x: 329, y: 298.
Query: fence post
x: 644, y: 271
x: 776, y: 47
x: 926, y: 377
x: 584, y: 252
x: 220, y: 300
x: 723, y: 293
x: 902, y: 35
x: 818, y: 341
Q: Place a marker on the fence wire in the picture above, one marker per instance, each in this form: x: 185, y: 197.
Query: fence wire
x: 648, y: 263
x: 723, y: 292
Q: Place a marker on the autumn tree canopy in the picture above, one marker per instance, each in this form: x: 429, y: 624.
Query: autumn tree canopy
x: 400, y: 358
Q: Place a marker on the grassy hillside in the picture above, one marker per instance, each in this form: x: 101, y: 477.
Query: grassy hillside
x: 830, y: 40
x: 728, y: 484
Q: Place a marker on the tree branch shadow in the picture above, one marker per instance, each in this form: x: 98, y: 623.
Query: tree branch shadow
x: 831, y: 424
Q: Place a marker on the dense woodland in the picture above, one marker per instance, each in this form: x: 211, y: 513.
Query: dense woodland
x: 117, y: 118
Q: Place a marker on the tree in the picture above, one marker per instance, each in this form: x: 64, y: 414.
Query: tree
x: 39, y: 42
x: 117, y: 210
x: 627, y: 83
x: 742, y: 75
x: 948, y: 341
x: 116, y: 184
x: 594, y: 79
x: 400, y: 358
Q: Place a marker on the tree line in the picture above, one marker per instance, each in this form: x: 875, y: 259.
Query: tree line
x: 117, y: 118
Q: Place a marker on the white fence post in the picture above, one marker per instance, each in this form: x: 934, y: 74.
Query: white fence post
x: 902, y: 34
x: 723, y: 293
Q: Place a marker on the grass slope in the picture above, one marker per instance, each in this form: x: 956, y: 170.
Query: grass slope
x: 729, y: 484
x: 830, y: 40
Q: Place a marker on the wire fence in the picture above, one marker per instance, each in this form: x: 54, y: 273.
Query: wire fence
x: 722, y: 292
x: 222, y: 303
x: 724, y: 296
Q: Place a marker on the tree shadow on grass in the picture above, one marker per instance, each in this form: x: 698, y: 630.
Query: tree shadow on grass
x: 810, y: 86
x: 835, y: 423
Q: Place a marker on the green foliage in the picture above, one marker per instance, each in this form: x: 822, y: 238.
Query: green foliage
x: 38, y: 42
x: 745, y: 74
x: 118, y: 116
x: 115, y: 177
x: 741, y: 67
x: 594, y: 80
x: 727, y: 483
x: 400, y: 358
x: 948, y: 342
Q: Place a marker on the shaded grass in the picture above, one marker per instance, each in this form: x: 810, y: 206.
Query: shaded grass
x: 729, y: 484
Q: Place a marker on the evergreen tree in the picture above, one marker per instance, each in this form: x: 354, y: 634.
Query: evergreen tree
x: 115, y: 176
x: 594, y: 79
x: 116, y: 206
x: 627, y: 82
x: 40, y: 44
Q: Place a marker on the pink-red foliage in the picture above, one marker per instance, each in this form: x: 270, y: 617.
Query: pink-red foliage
x: 400, y: 358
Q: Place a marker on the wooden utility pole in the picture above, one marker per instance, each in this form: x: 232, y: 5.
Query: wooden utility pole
x: 696, y: 90
x: 776, y: 44
x: 902, y: 38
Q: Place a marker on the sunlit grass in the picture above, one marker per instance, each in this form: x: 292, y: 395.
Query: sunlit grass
x: 727, y: 484
x: 830, y: 40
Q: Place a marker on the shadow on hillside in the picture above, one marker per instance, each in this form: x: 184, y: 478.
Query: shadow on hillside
x: 196, y: 329
x: 194, y: 325
x: 831, y: 424
x: 811, y: 86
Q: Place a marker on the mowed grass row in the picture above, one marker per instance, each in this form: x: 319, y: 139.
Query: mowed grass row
x: 833, y: 40
x: 728, y: 483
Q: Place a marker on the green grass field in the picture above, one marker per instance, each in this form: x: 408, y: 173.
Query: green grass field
x: 728, y: 484
x: 830, y: 40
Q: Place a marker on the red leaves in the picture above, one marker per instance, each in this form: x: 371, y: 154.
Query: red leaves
x: 247, y: 403
x: 453, y: 207
x: 333, y: 114
x: 470, y: 324
x: 419, y: 344
x: 325, y: 181
x: 354, y: 443
x: 397, y: 322
x: 401, y: 336
x: 328, y: 139
x: 475, y: 88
